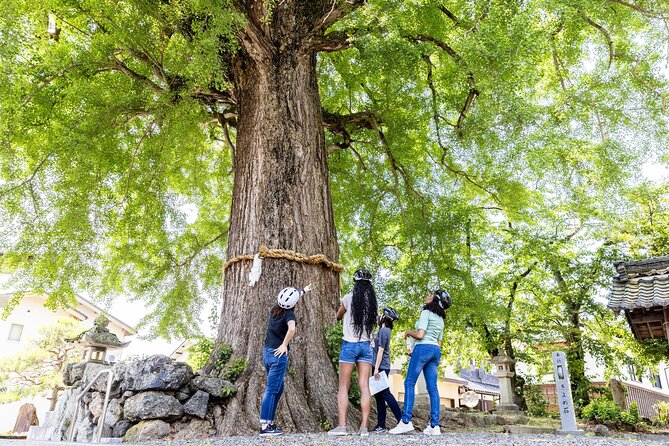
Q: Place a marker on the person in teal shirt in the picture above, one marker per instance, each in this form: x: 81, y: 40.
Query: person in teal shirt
x: 425, y: 357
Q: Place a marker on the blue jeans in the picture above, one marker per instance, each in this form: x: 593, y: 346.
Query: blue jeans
x: 355, y: 352
x: 425, y: 358
x: 383, y: 397
x: 276, y: 370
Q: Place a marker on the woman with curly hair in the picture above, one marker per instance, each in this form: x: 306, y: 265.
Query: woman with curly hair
x: 358, y: 309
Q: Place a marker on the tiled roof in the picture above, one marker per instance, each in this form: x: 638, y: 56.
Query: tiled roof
x: 480, y: 382
x: 483, y: 388
x: 644, y: 267
x: 639, y: 292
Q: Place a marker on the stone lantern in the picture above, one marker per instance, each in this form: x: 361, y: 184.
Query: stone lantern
x: 503, y: 370
x: 97, y: 340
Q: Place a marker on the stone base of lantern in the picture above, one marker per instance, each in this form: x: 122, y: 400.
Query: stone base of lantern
x: 508, y: 410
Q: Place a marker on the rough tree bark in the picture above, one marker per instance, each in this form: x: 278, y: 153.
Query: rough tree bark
x: 580, y: 384
x: 518, y: 382
x: 281, y: 199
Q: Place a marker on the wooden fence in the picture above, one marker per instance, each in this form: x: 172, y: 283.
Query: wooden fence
x: 645, y: 398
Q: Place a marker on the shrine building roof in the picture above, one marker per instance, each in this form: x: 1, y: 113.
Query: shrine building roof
x: 640, y: 284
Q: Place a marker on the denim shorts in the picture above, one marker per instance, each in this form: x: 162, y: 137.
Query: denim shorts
x: 354, y: 352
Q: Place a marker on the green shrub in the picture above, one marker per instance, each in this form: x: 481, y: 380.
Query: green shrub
x: 334, y: 334
x: 662, y: 413
x: 333, y: 337
x: 601, y: 410
x: 631, y: 415
x: 535, y: 401
x: 224, y: 353
x: 199, y: 353
x: 234, y: 368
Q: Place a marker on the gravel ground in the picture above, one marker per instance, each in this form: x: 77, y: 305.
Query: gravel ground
x: 416, y: 439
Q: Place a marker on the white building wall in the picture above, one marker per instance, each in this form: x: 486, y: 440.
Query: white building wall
x: 32, y: 315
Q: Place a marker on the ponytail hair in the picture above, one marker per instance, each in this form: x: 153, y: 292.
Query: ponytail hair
x: 435, y: 308
x: 277, y: 311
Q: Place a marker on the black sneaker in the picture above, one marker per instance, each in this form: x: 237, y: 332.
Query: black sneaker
x: 380, y: 430
x: 271, y: 431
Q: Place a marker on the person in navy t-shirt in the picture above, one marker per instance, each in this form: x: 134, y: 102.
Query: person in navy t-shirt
x: 280, y: 331
x: 381, y: 350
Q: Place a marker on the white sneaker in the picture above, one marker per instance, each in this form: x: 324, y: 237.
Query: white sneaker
x: 401, y: 428
x: 436, y: 430
x: 338, y: 431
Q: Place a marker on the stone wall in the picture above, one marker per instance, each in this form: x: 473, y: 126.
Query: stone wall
x: 150, y: 398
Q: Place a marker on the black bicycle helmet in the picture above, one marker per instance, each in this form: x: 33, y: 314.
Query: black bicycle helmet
x: 362, y: 274
x: 443, y: 298
x: 390, y: 313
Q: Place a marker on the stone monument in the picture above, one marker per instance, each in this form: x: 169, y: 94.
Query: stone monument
x: 565, y: 401
x: 26, y: 418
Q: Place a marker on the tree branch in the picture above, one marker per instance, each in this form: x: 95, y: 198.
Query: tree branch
x: 360, y: 120
x: 509, y: 305
x: 556, y: 59
x: 339, y: 9
x: 337, y: 124
x: 223, y: 122
x: 201, y: 248
x: 646, y: 12
x: 469, y: 179
x: 441, y: 44
x: 156, y: 68
x: 433, y: 91
x: 334, y: 41
x: 27, y: 180
x: 473, y: 92
x: 123, y: 68
x: 132, y: 160
x: 601, y: 29
x: 449, y: 14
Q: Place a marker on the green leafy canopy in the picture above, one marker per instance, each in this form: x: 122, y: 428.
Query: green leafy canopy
x: 506, y: 135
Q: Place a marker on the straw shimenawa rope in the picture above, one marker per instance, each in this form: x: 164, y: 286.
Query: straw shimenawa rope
x: 265, y: 252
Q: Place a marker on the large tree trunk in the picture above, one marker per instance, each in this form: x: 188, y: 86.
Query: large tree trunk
x: 580, y: 384
x: 281, y: 199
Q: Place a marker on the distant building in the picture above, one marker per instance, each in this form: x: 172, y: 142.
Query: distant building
x: 23, y: 325
x: 24, y: 322
x: 181, y: 352
x: 451, y: 385
x: 640, y: 290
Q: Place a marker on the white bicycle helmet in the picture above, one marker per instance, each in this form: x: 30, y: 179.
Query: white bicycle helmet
x: 288, y: 297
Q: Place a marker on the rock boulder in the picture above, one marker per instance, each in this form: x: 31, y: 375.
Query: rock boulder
x: 151, y: 405
x: 157, y: 372
x: 602, y: 431
x: 147, y: 431
x: 195, y: 429
x: 215, y: 387
x: 121, y: 428
x: 197, y: 404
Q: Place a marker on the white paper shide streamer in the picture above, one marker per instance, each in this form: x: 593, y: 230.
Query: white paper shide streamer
x: 256, y: 270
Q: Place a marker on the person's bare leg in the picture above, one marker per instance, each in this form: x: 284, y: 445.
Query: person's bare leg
x: 364, y: 371
x: 345, y: 371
